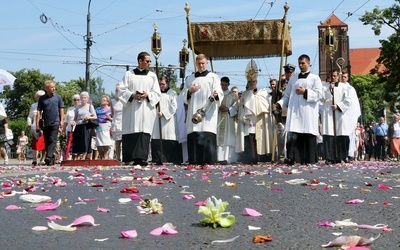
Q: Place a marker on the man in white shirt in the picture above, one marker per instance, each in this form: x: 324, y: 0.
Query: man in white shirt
x: 304, y: 92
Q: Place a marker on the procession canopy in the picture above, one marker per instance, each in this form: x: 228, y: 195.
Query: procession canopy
x: 241, y: 39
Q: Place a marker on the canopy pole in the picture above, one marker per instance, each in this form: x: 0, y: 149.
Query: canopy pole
x: 187, y: 9
x: 277, y: 88
x: 286, y: 8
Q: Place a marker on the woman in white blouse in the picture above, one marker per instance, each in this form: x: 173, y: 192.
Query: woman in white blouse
x: 83, y: 130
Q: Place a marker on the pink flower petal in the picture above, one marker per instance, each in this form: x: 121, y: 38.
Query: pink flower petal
x: 169, y: 231
x: 251, y: 212
x: 161, y: 230
x: 157, y: 231
x: 129, y: 234
x: 54, y: 217
x: 355, y: 201
x: 86, y: 219
x: 325, y: 224
x: 201, y: 203
x: 103, y: 210
x: 13, y: 207
x: 204, y: 178
x: 381, y: 186
x: 136, y: 196
x: 49, y: 206
x: 188, y: 197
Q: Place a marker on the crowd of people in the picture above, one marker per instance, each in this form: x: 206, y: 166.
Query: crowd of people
x: 299, y: 119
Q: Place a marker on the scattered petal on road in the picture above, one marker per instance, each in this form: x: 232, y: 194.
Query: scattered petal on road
x: 251, y: 212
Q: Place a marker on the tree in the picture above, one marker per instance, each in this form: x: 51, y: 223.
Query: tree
x: 389, y: 75
x: 19, y: 99
x: 370, y: 95
x: 169, y: 72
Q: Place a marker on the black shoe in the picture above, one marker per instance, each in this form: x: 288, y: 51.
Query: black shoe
x: 34, y: 163
x: 49, y: 162
x: 288, y: 161
x: 329, y: 162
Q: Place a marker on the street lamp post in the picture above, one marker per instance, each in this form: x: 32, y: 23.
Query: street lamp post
x: 183, y: 60
x: 156, y: 45
x: 330, y: 43
x: 88, y: 45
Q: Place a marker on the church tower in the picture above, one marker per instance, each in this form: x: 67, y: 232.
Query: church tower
x: 341, y: 46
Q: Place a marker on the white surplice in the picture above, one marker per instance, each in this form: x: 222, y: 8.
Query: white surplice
x: 342, y: 100
x: 139, y: 116
x: 302, y: 114
x: 168, y: 107
x: 208, y: 84
x: 352, y: 114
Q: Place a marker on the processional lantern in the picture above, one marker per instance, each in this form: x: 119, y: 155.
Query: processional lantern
x: 330, y: 41
x: 156, y: 45
x: 156, y: 42
x: 183, y: 58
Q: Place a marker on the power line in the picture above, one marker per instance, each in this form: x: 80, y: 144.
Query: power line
x: 258, y: 11
x: 349, y: 14
x: 123, y: 25
x: 333, y: 11
x: 272, y: 4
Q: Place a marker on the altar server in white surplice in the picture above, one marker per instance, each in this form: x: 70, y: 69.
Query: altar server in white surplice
x: 335, y: 99
x: 166, y: 148
x: 302, y: 96
x: 353, y: 113
x: 139, y: 94
x: 202, y: 91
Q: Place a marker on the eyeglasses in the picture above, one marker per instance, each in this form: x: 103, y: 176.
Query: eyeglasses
x: 77, y: 100
x: 148, y: 61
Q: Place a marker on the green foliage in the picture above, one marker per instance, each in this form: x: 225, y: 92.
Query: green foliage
x: 19, y: 99
x: 378, y: 17
x: 96, y: 91
x: 67, y: 89
x: 17, y: 126
x: 389, y: 73
x: 170, y: 74
x: 370, y: 95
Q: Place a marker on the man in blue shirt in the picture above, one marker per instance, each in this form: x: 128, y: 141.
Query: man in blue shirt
x: 381, y: 139
x: 51, y: 110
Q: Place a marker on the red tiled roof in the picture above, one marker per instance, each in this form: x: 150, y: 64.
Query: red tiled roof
x: 333, y: 20
x: 363, y: 60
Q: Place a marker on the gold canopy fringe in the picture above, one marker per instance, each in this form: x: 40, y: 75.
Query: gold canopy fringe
x: 241, y: 39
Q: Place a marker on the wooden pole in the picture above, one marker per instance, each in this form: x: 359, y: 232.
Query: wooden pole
x: 187, y: 9
x: 334, y: 111
x: 277, y: 87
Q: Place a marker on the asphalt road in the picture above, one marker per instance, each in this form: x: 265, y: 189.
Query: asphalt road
x: 290, y: 212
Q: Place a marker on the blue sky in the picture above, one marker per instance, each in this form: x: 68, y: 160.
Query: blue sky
x: 122, y: 28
